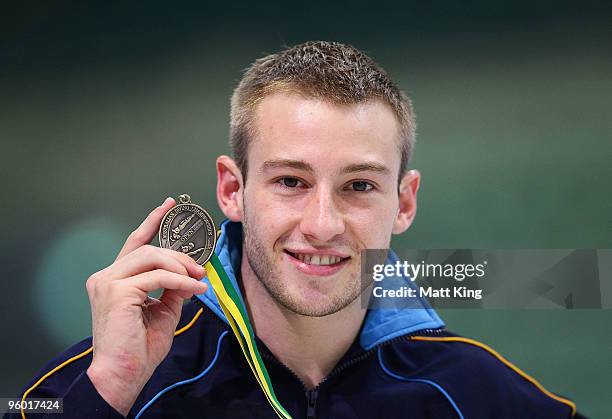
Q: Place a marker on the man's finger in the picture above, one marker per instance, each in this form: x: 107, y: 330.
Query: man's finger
x: 147, y: 230
x: 147, y: 258
x: 174, y: 299
x: 154, y: 280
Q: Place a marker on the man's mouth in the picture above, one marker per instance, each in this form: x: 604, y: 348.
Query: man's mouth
x: 317, y: 259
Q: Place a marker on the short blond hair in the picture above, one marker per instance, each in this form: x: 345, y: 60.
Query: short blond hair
x: 330, y: 71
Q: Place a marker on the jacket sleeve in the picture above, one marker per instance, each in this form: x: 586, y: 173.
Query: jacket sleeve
x: 70, y: 383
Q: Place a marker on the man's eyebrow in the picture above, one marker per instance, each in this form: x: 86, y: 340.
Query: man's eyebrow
x: 287, y: 164
x: 366, y: 167
x: 302, y: 165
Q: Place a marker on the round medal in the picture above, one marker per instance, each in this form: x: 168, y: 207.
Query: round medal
x: 188, y: 228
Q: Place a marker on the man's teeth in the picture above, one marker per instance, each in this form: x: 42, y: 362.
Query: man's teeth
x: 318, y: 259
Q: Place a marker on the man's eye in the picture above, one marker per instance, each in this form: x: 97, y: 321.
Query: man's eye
x: 289, y: 182
x: 361, y: 186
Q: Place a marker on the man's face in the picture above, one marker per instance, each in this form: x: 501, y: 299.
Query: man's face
x: 321, y: 187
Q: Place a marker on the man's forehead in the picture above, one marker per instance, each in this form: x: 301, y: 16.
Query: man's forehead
x: 301, y: 108
x: 288, y: 126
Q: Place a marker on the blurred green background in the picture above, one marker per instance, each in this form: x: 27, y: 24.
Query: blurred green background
x: 107, y: 108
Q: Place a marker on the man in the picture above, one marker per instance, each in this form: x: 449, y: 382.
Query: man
x: 321, y: 140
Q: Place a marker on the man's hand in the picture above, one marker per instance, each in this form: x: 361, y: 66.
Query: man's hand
x: 132, y: 333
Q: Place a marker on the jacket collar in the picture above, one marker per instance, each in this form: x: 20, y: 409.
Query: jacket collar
x: 380, y: 325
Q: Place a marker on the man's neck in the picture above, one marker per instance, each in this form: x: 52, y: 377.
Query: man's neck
x: 310, y: 346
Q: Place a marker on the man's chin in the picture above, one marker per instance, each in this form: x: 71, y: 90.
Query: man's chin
x: 315, y: 303
x: 307, y: 310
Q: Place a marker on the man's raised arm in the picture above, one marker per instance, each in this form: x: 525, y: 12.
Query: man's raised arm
x: 131, y: 332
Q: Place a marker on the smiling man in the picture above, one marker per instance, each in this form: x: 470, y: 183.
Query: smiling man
x: 321, y: 139
x: 309, y: 207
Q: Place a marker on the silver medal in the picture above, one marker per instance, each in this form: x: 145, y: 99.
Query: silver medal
x: 189, y: 229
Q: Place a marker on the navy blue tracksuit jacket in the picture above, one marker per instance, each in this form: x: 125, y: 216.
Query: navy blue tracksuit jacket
x: 404, y: 364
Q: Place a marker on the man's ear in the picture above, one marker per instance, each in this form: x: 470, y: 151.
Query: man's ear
x: 229, y: 188
x: 408, y: 187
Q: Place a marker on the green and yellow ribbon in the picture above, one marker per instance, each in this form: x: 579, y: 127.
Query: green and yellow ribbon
x: 237, y: 317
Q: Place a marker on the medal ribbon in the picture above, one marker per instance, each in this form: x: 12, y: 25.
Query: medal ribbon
x: 238, y: 320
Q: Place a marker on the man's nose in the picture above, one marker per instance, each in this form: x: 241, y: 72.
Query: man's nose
x: 321, y: 219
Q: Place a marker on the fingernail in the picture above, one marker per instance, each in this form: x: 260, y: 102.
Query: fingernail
x: 166, y: 201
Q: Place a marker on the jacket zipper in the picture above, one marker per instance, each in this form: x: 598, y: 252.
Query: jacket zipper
x: 311, y: 410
